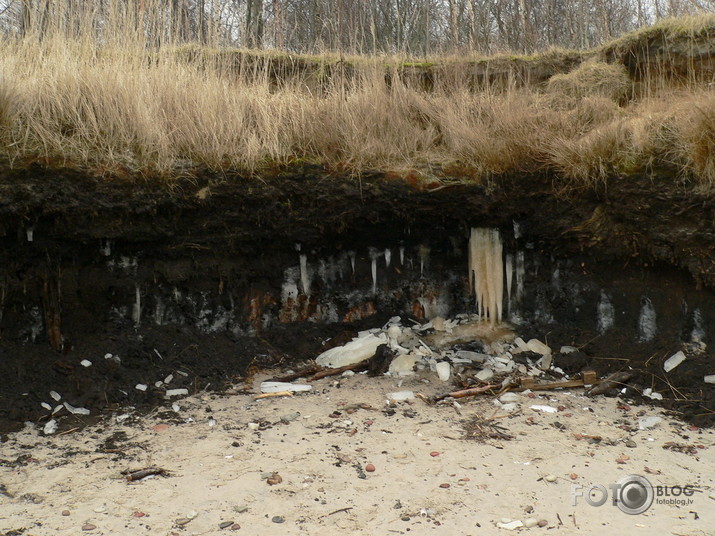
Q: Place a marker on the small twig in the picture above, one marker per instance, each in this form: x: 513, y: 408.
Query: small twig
x: 302, y: 373
x: 648, y: 360
x: 346, y: 509
x: 143, y: 473
x: 673, y: 390
x: 466, y: 392
x: 273, y: 395
x: 334, y: 372
x: 588, y: 342
x: 68, y: 431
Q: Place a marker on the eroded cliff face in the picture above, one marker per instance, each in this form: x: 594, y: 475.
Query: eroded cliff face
x: 214, y: 276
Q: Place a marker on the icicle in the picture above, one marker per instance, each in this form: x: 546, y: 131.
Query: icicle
x: 351, y: 254
x: 388, y: 257
x: 520, y: 271
x: 509, y: 278
x: 517, y: 229
x: 374, y: 275
x: 424, y: 255
x: 105, y: 248
x: 374, y: 254
x: 30, y: 232
x: 137, y: 310
x: 159, y: 311
x: 304, y: 279
x: 497, y: 274
x: 698, y: 333
x: 486, y: 272
x: 646, y: 321
x: 289, y: 288
x: 402, y: 255
x: 605, y: 313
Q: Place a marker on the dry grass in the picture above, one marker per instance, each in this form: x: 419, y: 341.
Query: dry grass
x: 593, y: 79
x: 695, y: 137
x: 120, y: 107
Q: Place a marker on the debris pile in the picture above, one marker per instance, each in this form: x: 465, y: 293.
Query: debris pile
x: 469, y: 351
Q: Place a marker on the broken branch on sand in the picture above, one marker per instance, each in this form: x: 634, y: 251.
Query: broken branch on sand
x: 273, y: 395
x: 466, y: 392
x: 143, y: 473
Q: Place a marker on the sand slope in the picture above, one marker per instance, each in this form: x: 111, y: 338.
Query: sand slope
x: 218, y: 472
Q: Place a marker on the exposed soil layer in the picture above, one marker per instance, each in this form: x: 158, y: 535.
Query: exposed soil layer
x: 228, y: 240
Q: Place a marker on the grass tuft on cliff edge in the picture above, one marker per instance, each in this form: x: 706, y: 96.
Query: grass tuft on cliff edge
x: 158, y: 112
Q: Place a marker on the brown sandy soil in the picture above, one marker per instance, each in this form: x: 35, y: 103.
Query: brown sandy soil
x: 219, y: 471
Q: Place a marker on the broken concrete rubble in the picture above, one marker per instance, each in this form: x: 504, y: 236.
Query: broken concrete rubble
x: 444, y: 370
x: 357, y: 350
x: 673, y: 361
x: 514, y: 362
x: 539, y: 347
x: 404, y: 365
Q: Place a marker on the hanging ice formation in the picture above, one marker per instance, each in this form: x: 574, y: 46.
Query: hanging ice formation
x: 520, y: 273
x: 373, y: 256
x: 374, y: 276
x: 486, y: 272
x: 424, y: 257
x: 137, y: 309
x: 605, y: 313
x: 509, y: 278
x: 698, y: 333
x: 646, y: 321
x: 304, y: 277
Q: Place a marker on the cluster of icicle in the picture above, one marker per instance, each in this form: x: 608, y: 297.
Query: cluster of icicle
x: 486, y: 273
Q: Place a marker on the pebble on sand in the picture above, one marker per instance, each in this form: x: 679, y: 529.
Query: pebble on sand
x: 278, y: 519
x: 88, y: 526
x: 274, y: 479
x: 370, y: 468
x: 445, y: 485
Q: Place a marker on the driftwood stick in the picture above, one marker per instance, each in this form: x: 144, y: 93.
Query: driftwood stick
x: 273, y: 395
x: 347, y: 509
x: 467, y: 392
x: 143, y: 473
x: 302, y: 373
x: 614, y: 380
x: 334, y: 372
